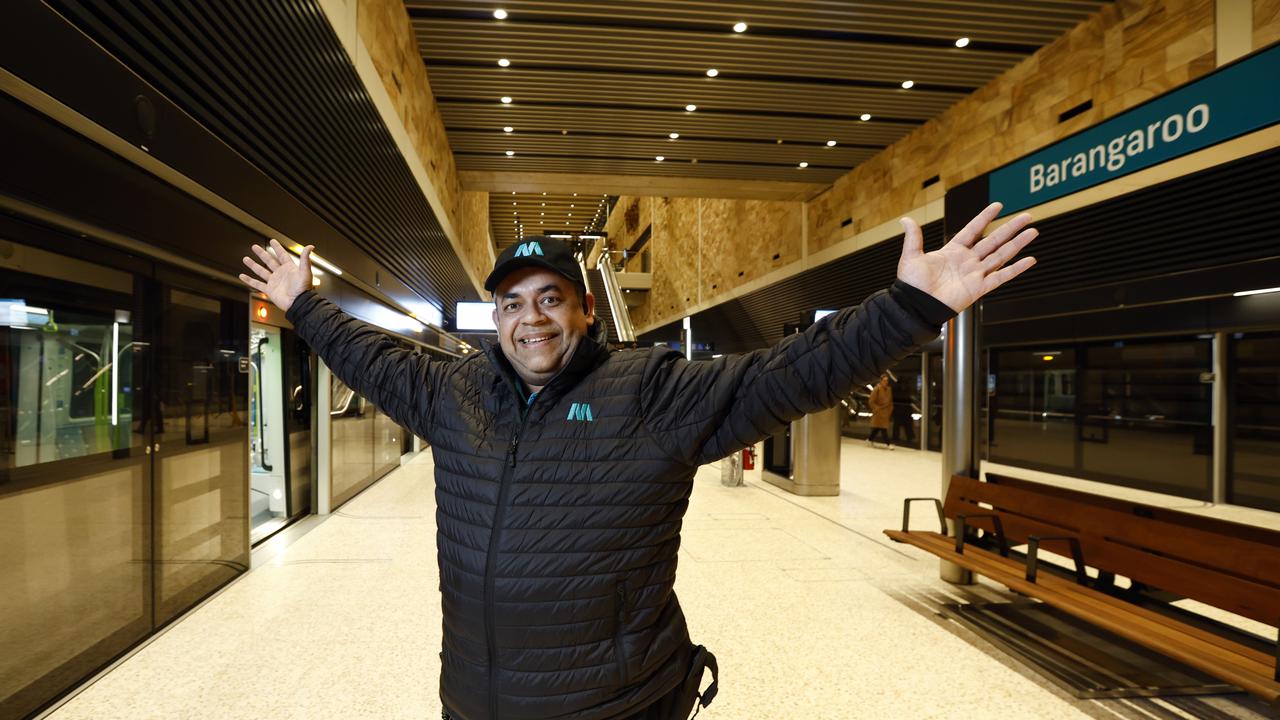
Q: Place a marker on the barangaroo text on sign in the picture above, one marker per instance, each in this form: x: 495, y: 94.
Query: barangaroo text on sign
x: 1233, y: 101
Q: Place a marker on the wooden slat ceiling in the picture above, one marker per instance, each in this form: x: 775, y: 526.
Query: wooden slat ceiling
x: 513, y: 215
x: 597, y: 87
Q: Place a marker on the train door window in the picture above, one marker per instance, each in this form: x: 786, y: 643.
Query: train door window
x: 75, y: 480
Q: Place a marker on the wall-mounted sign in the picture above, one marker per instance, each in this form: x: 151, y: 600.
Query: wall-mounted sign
x: 1232, y: 101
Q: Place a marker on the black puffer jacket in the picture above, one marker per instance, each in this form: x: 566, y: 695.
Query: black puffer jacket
x: 559, y: 523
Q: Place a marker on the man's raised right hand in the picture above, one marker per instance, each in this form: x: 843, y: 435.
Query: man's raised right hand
x: 283, y: 279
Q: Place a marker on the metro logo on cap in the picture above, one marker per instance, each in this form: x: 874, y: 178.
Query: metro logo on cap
x: 529, y: 248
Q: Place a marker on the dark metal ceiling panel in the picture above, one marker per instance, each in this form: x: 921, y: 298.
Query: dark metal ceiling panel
x: 617, y: 77
x: 273, y: 82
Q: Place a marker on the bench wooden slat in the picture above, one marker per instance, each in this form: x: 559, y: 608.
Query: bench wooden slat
x: 1231, y: 662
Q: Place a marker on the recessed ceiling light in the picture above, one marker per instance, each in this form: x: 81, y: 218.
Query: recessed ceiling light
x: 712, y: 72
x: 570, y: 204
x: 544, y: 192
x: 508, y: 129
x: 907, y: 84
x: 804, y: 164
x: 541, y: 213
x: 570, y: 214
x: 690, y: 107
x: 500, y: 14
x: 962, y: 42
x: 659, y: 158
x: 831, y: 143
x: 575, y: 194
x: 513, y: 202
x: 510, y: 153
x: 513, y: 192
x: 503, y: 62
x: 865, y: 117
x: 506, y: 100
x: 673, y: 136
x: 740, y: 27
x: 515, y: 212
x: 544, y: 204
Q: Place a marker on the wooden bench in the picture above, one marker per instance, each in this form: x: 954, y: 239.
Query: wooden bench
x: 1164, y: 552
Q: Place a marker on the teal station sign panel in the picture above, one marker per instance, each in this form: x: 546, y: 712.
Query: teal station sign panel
x: 1232, y: 101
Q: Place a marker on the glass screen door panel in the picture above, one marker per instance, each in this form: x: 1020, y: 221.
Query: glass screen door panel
x: 75, y: 477
x: 201, y: 443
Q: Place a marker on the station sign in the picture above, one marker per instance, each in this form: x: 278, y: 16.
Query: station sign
x: 1233, y: 100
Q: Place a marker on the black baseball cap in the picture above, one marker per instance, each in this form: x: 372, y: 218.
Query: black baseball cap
x: 540, y: 251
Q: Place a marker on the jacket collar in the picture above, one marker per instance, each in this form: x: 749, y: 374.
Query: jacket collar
x: 589, y: 355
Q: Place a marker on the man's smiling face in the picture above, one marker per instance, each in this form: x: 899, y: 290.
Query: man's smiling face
x: 540, y: 322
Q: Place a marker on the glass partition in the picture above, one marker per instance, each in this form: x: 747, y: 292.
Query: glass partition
x: 1134, y: 413
x: 1254, y: 478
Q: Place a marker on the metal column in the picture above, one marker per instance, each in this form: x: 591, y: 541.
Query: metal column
x: 959, y: 358
x: 924, y: 401
x: 1220, y: 417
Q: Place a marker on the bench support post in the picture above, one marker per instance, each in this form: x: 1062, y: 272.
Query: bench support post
x: 995, y: 520
x: 906, y: 513
x: 1033, y: 557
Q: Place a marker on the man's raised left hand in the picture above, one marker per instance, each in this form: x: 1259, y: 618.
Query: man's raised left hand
x: 969, y: 266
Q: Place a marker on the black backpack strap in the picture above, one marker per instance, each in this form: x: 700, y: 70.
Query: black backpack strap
x: 704, y: 658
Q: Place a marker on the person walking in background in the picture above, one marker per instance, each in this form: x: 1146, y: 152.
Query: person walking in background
x: 903, y: 408
x: 881, y: 402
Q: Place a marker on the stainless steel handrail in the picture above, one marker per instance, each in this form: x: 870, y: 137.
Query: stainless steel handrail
x: 621, y: 318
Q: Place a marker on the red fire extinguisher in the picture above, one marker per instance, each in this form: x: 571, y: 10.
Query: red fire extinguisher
x: 748, y: 458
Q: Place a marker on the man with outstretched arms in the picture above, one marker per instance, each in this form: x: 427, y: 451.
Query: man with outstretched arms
x: 563, y: 470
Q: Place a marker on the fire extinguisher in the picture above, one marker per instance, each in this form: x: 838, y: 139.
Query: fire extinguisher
x: 748, y: 458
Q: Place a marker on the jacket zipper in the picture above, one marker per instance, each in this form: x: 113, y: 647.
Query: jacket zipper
x: 620, y: 598
x: 504, y: 487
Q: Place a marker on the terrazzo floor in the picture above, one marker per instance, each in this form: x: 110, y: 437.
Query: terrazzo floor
x: 810, y: 610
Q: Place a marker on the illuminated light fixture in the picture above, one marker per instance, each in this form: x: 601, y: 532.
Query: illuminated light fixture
x: 508, y: 129
x: 962, y: 42
x: 1256, y: 292
x: 690, y: 107
x: 865, y: 117
x: 262, y: 312
x: 570, y: 214
x: 674, y: 136
x: 908, y: 84
x: 570, y: 204
x: 1047, y: 358
x: 560, y: 236
x: 544, y: 192
x: 513, y: 192
x: 591, y: 237
x: 542, y: 213
x: 659, y: 158
x: 510, y: 153
x: 831, y: 143
x: 712, y: 72
x: 324, y: 263
x: 115, y: 372
x: 740, y: 27
x: 500, y: 14
x: 544, y: 204
x: 575, y: 194
x: 503, y: 62
x: 804, y: 164
x: 513, y: 202
x: 506, y: 99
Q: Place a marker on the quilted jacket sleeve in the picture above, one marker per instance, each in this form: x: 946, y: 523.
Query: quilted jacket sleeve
x: 704, y: 410
x: 396, y: 380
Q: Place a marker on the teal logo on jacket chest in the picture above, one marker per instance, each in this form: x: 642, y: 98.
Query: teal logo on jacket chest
x: 580, y: 412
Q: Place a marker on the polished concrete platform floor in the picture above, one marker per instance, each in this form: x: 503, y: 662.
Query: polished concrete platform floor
x: 811, y: 611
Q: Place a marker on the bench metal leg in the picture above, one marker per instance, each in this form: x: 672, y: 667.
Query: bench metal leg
x: 995, y: 520
x: 906, y: 513
x: 1033, y: 557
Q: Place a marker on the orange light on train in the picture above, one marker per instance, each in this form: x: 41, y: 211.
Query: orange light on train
x: 262, y: 312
